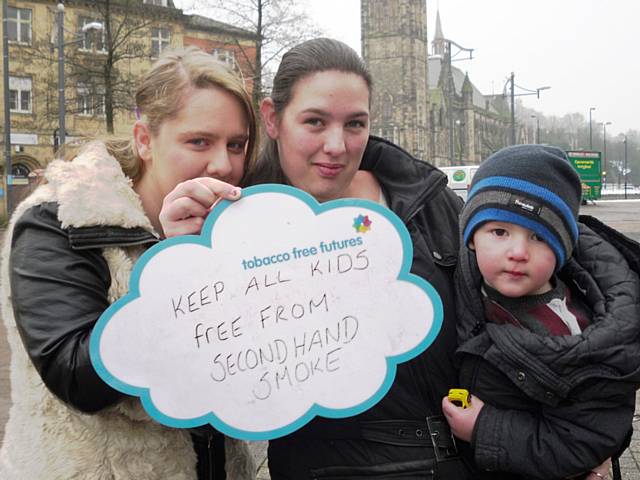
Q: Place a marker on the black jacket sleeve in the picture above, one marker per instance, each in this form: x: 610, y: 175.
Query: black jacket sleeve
x: 58, y: 294
x: 560, y: 441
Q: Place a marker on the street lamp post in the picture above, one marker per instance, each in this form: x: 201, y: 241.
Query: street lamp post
x: 537, y: 127
x: 459, y: 142
x: 450, y: 90
x: 513, y: 108
x: 591, y: 109
x: 61, y: 100
x: 604, y: 150
x: 61, y: 105
x: 7, y: 108
x: 625, y: 167
x: 511, y: 81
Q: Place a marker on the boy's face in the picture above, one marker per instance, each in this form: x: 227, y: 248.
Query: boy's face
x: 512, y: 259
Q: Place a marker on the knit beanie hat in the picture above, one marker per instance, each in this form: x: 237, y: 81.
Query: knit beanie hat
x: 533, y: 186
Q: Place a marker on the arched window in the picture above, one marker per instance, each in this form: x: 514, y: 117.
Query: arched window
x: 20, y: 170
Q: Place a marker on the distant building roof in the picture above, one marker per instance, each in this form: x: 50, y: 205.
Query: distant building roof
x: 435, y: 66
x: 206, y: 23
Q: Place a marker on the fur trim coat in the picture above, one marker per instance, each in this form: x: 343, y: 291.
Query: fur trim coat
x: 46, y: 438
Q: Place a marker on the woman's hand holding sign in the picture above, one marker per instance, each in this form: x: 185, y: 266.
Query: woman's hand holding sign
x: 185, y: 208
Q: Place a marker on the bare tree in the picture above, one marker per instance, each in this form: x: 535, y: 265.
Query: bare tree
x: 277, y: 24
x: 124, y: 26
x: 99, y: 63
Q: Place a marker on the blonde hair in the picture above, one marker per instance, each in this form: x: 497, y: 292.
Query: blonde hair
x: 160, y: 96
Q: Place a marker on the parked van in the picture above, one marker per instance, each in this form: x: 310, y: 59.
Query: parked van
x: 459, y: 178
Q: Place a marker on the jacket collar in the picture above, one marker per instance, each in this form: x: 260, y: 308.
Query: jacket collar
x: 413, y: 181
x: 91, y: 190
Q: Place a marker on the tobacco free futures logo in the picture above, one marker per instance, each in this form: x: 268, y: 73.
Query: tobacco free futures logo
x: 362, y: 224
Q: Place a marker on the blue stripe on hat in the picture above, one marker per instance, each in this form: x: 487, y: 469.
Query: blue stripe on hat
x: 531, y: 189
x: 499, y: 215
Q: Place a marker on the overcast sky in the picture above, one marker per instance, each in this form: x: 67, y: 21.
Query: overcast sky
x: 588, y: 51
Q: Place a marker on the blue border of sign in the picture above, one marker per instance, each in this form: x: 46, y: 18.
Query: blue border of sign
x: 204, y: 238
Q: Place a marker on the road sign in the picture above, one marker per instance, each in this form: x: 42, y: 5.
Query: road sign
x: 588, y: 166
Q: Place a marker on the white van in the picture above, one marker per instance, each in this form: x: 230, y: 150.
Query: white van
x: 459, y: 178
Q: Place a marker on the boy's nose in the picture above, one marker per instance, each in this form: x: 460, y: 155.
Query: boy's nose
x: 518, y: 250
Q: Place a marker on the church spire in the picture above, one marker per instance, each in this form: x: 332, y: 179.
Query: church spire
x: 438, y: 44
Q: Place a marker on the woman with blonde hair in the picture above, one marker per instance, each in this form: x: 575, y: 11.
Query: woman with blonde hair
x: 69, y: 251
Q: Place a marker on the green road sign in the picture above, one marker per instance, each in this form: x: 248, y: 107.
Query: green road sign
x: 587, y: 164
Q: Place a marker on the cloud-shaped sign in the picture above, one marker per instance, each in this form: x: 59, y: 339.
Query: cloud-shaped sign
x: 280, y: 310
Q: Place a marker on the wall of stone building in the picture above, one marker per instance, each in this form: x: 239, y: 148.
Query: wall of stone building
x: 471, y: 153
x: 394, y: 46
x: 478, y: 134
x: 32, y: 137
x: 404, y: 109
x: 492, y: 133
x: 33, y: 132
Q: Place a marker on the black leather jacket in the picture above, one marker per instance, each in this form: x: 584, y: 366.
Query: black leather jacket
x: 69, y: 279
x: 392, y: 440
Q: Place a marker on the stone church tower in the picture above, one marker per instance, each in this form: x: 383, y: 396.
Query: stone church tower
x: 394, y: 46
x: 423, y: 102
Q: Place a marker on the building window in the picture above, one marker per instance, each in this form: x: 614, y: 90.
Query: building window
x: 159, y: 40
x: 90, y: 100
x: 92, y: 39
x: 160, y: 3
x: 387, y: 108
x: 19, y: 29
x: 20, y: 170
x: 20, y: 94
x: 225, y: 56
x: 83, y: 97
x: 100, y: 101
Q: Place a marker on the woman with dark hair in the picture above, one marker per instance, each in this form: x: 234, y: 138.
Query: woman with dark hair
x: 317, y: 120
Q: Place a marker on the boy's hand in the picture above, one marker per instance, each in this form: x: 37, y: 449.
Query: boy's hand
x: 462, y: 420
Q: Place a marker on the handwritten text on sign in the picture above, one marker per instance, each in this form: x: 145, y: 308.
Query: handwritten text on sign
x: 282, y: 309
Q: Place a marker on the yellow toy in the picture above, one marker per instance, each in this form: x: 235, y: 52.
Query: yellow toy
x: 459, y: 397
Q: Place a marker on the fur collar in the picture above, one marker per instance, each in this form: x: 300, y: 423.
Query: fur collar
x: 92, y: 190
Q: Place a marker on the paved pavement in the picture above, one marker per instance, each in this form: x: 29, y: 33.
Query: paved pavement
x: 5, y: 392
x: 625, y: 219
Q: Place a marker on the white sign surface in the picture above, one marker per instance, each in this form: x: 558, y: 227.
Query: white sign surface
x: 281, y: 310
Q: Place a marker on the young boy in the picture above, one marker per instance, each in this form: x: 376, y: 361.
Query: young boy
x: 549, y: 323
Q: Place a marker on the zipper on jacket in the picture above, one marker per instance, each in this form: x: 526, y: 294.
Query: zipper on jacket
x: 210, y: 466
